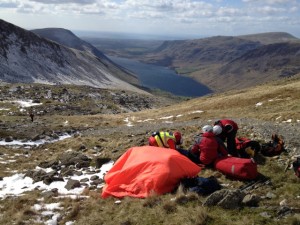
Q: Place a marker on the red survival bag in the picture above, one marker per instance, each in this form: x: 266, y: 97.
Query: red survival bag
x: 246, y: 147
x: 238, y: 168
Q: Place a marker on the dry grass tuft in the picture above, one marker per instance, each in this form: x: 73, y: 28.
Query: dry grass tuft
x: 74, y: 212
x: 152, y: 201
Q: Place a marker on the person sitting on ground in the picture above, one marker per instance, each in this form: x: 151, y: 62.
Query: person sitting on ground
x: 207, y: 147
x: 166, y: 139
x: 226, y: 130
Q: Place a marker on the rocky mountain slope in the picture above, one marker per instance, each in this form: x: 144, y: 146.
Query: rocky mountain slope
x: 26, y: 57
x: 67, y: 38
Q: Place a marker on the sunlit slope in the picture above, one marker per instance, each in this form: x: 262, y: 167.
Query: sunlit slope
x: 274, y: 101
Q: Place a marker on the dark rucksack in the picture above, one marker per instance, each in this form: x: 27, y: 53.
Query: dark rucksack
x: 274, y: 147
x: 201, y: 185
x: 296, y: 167
x: 247, y: 148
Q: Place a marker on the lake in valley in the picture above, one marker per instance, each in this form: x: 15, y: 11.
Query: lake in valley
x: 163, y: 78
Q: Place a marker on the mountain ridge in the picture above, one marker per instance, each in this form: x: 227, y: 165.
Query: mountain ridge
x: 27, y: 57
x: 68, y: 38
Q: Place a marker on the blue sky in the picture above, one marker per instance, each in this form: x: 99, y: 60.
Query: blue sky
x: 190, y: 18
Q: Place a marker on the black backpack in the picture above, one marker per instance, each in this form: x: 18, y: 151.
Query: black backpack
x: 201, y: 185
x: 247, y: 148
x: 296, y: 167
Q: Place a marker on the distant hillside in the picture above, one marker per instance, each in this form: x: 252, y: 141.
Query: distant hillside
x: 223, y: 63
x: 280, y: 58
x: 127, y: 48
x: 197, y: 52
x: 270, y: 37
x: 26, y: 57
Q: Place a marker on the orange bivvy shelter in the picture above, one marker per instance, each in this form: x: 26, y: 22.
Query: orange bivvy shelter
x: 142, y: 171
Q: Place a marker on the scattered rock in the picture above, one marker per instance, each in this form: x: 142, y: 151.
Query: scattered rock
x: 94, y: 177
x: 74, y: 158
x: 101, y: 161
x: 47, y: 164
x: 265, y: 215
x: 71, y: 184
x: 9, y: 139
x: 270, y: 195
x: 227, y: 199
x: 283, y: 211
x: 251, y: 200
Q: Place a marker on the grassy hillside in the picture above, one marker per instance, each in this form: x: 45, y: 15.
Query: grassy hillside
x: 259, y: 111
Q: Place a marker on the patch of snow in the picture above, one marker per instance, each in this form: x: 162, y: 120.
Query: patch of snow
x: 47, y: 170
x: 287, y: 121
x: 275, y: 99
x: 197, y: 111
x: 70, y: 223
x: 278, y: 118
x: 53, y: 220
x: 179, y: 115
x: 258, y: 104
x: 129, y: 124
x: 146, y: 120
x: 26, y: 103
x: 36, y: 143
x: 4, y: 109
x: 166, y: 117
x: 17, y: 184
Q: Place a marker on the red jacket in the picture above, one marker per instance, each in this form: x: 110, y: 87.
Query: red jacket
x: 208, y: 148
x: 226, y: 123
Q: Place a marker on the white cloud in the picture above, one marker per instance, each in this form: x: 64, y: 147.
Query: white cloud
x: 81, y: 2
x: 271, y: 10
x: 272, y: 2
x: 224, y: 11
x: 216, y: 17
